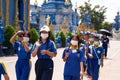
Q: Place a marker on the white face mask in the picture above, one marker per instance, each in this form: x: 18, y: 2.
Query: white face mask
x: 74, y: 51
x: 44, y: 36
x: 73, y: 42
x: 25, y: 39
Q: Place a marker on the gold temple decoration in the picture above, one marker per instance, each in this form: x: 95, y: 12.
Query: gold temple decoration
x: 1, y: 10
x: 29, y: 15
x: 80, y: 28
x: 0, y: 7
x: 76, y: 6
x: 48, y: 23
x: 51, y: 27
x: 7, y: 12
x: 64, y: 26
x: 48, y: 20
x: 44, y: 1
x: 16, y: 18
x: 93, y: 30
x: 24, y: 25
x: 36, y: 3
x: 67, y: 2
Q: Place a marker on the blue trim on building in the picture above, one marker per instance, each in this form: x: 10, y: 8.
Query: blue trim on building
x: 12, y: 10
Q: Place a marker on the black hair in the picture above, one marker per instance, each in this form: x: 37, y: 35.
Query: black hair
x: 96, y: 37
x: 76, y: 37
x: 21, y: 34
x: 80, y: 38
x: 28, y: 33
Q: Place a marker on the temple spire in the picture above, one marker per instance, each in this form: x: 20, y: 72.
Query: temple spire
x: 35, y: 3
x: 44, y: 1
x: 67, y: 2
x: 76, y: 7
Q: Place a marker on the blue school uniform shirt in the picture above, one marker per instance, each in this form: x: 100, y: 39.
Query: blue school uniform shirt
x: 85, y: 46
x: 72, y: 64
x: 96, y: 52
x: 105, y: 42
x: 2, y: 69
x: 82, y: 48
x: 22, y: 54
x: 48, y: 45
x: 90, y: 50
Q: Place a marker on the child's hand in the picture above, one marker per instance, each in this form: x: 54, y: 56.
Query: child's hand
x: 38, y: 44
x: 67, y: 55
x: 43, y: 52
x: 85, y: 57
x: 18, y: 32
x: 90, y: 55
x: 81, y: 75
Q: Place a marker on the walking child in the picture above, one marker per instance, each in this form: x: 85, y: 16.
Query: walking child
x: 73, y: 59
x: 23, y: 48
x: 3, y: 72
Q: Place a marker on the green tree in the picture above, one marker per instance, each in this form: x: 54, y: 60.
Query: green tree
x: 69, y: 34
x: 52, y: 37
x: 34, y: 35
x: 63, y: 39
x: 96, y: 14
x: 57, y: 34
x: 106, y: 25
x: 9, y: 31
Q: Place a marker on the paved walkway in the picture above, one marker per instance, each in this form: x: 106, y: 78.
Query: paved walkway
x: 110, y: 71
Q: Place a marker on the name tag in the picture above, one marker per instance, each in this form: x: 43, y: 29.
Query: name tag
x: 98, y: 52
x: 18, y: 48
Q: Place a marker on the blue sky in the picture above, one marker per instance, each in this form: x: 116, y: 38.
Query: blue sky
x: 113, y: 6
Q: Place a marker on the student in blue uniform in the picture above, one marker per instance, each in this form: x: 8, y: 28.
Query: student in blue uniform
x: 105, y: 43
x: 86, y: 43
x: 73, y: 59
x: 3, y: 71
x: 82, y: 48
x: 97, y: 60
x: 22, y: 47
x: 45, y: 50
x: 89, y: 55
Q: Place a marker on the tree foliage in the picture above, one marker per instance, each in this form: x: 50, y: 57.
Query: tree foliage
x: 63, y: 39
x: 106, y: 25
x: 34, y: 35
x: 69, y: 34
x: 52, y: 37
x: 57, y: 34
x: 96, y: 14
x: 9, y: 31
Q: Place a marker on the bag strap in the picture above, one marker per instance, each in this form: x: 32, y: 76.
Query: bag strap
x: 95, y: 52
x: 90, y: 47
